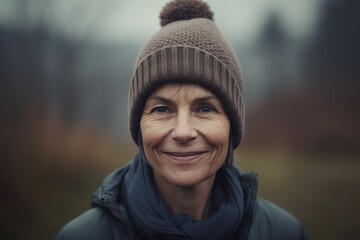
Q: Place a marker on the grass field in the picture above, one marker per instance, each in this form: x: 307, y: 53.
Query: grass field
x: 322, y: 191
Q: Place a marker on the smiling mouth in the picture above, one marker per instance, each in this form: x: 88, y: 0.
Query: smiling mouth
x: 184, y: 157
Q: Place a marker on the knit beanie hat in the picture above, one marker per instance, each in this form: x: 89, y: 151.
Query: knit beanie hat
x: 189, y: 48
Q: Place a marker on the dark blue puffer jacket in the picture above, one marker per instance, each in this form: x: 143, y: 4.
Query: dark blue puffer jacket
x: 108, y: 219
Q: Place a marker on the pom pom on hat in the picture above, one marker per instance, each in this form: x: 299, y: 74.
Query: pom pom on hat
x: 184, y: 10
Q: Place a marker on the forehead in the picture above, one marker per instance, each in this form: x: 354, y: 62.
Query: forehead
x: 187, y: 90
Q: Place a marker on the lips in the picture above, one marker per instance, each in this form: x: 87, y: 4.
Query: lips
x: 184, y: 157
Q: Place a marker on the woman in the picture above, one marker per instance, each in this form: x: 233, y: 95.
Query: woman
x: 186, y: 116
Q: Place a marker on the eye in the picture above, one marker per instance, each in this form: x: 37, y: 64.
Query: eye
x: 207, y: 109
x: 160, y: 109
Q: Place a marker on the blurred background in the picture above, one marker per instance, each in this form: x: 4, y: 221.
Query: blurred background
x: 65, y: 67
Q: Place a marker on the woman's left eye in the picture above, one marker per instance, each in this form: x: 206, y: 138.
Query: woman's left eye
x: 207, y: 109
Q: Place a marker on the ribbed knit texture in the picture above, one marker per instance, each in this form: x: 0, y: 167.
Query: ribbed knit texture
x: 188, y: 51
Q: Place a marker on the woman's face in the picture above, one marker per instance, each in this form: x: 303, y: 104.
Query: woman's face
x: 185, y: 133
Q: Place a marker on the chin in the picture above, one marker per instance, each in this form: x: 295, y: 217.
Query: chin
x: 186, y: 179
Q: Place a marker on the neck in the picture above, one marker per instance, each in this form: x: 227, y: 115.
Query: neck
x: 195, y: 201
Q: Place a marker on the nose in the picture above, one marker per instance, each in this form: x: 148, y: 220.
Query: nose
x: 183, y: 131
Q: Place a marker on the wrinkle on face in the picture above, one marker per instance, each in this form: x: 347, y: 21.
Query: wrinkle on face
x: 187, y: 110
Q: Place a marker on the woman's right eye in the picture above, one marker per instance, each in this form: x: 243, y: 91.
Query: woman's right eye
x: 160, y: 109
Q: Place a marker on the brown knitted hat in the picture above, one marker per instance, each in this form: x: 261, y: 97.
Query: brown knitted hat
x: 189, y: 48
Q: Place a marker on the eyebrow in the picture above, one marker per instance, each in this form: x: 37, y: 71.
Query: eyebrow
x: 161, y: 99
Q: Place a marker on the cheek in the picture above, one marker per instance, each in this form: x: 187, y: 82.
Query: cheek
x: 218, y: 135
x: 152, y: 131
x: 217, y: 132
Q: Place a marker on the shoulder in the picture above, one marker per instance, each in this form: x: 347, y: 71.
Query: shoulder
x: 271, y: 220
x: 94, y: 224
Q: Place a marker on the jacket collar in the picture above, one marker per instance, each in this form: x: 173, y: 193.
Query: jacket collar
x: 110, y: 190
